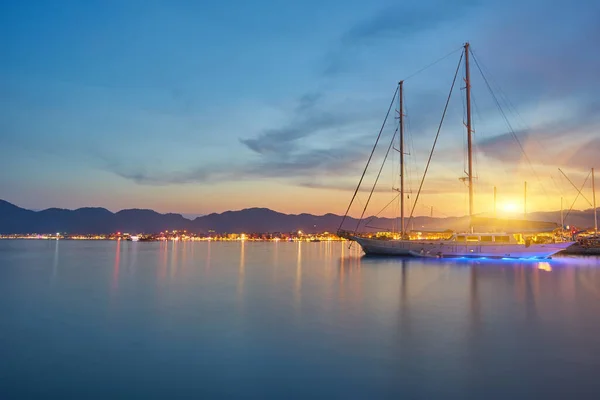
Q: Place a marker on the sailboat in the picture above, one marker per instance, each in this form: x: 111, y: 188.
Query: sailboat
x: 469, y: 244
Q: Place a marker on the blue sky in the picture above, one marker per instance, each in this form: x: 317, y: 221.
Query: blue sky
x: 195, y: 106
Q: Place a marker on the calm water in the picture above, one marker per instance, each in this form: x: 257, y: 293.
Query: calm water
x: 104, y: 320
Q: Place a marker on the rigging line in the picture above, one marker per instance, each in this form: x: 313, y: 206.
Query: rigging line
x: 576, y: 197
x: 359, y: 200
x: 410, y: 165
x: 411, y: 151
x: 369, y: 160
x: 464, y: 138
x: 585, y: 198
x: 380, y: 211
x: 432, y: 64
x: 512, y: 131
x: 557, y: 187
x: 478, y: 151
x: 474, y: 127
x: 511, y: 107
x: 437, y: 211
x: 436, y: 138
x: 376, y: 179
x: 378, y: 227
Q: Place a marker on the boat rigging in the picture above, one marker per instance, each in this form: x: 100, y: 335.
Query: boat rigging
x: 471, y: 244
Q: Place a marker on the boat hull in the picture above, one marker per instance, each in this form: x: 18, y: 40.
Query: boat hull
x: 445, y: 249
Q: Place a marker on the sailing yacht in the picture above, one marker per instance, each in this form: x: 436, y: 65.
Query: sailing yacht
x: 470, y: 244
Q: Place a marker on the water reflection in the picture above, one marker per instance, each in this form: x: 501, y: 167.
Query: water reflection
x: 55, y: 261
x: 475, y: 305
x: 298, y: 280
x: 116, y: 266
x: 174, y: 255
x: 163, y: 255
x: 349, y: 275
x: 418, y: 328
x: 404, y: 300
x: 275, y: 261
x: 241, y: 270
x: 523, y: 287
x: 207, y: 263
x: 588, y: 282
x: 545, y: 266
x: 185, y: 248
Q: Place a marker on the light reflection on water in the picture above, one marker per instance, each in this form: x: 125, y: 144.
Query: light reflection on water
x: 165, y: 319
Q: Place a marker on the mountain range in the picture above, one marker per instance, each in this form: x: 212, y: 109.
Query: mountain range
x: 17, y: 220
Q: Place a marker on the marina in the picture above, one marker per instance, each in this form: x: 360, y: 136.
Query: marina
x: 469, y: 243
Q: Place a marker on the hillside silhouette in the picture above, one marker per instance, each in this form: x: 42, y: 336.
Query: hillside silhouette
x: 14, y: 219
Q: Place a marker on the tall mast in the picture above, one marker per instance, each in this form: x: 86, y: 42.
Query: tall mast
x: 469, y: 128
x: 594, y: 200
x: 401, y: 84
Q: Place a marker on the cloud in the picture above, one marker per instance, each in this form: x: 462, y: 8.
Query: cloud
x: 282, y: 139
x: 586, y: 155
x: 397, y: 21
x: 308, y: 100
x: 405, y: 19
x: 153, y: 179
x: 306, y: 164
x: 565, y: 141
x: 311, y: 116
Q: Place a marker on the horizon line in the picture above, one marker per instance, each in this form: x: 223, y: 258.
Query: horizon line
x: 512, y: 214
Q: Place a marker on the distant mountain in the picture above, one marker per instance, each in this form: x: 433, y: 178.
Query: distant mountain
x: 15, y: 219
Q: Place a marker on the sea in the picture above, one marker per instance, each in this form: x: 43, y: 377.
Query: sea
x: 291, y: 320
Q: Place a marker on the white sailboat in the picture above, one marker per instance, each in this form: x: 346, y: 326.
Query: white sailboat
x: 471, y: 244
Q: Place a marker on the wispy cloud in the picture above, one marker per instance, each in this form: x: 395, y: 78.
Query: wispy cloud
x: 308, y: 101
x: 281, y: 140
x: 565, y: 141
x: 398, y: 21
x: 310, y: 117
x: 160, y: 179
x: 407, y: 18
x: 298, y: 166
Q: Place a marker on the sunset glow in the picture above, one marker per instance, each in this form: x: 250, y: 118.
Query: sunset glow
x: 509, y: 207
x: 289, y: 121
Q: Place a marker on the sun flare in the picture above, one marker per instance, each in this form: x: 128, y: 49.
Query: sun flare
x: 509, y: 207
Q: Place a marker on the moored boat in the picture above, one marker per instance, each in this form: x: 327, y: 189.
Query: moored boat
x: 485, y: 244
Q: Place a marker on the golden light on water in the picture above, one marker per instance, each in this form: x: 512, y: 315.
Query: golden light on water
x: 545, y: 266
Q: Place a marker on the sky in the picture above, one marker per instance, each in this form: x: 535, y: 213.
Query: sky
x: 196, y: 107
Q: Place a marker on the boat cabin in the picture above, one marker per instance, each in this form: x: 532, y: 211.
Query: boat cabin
x: 500, y: 238
x: 504, y: 238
